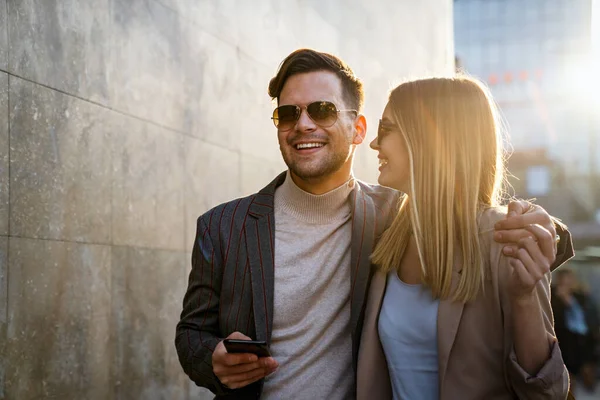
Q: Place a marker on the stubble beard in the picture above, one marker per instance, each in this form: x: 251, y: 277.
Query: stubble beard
x: 320, y: 167
x: 317, y: 169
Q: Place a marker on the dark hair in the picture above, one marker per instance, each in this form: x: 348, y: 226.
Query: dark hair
x: 307, y: 60
x: 562, y: 272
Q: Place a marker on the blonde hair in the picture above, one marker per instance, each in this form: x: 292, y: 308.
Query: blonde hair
x: 452, y: 131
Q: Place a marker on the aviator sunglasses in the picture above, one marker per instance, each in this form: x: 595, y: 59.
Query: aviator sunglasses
x: 323, y: 113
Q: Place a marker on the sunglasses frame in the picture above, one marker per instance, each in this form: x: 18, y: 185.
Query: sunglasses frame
x: 299, y: 113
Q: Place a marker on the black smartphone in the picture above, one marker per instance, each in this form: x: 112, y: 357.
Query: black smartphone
x: 258, y: 347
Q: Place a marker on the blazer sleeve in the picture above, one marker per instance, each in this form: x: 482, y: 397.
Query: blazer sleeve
x: 552, y: 381
x: 197, y: 333
x: 564, y: 249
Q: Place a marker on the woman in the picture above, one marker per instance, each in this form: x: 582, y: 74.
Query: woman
x: 449, y: 316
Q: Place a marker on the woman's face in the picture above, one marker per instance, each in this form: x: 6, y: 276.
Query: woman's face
x: 394, y: 163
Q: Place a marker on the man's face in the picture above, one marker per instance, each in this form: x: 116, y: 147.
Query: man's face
x: 309, y: 150
x: 567, y: 281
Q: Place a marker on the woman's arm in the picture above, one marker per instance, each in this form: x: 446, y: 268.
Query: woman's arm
x: 530, y: 266
x: 527, y: 329
x: 536, y: 368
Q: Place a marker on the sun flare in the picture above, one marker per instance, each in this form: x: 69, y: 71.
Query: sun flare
x: 595, y: 53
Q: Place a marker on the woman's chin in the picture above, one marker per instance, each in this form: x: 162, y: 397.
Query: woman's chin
x: 382, y: 181
x: 387, y: 183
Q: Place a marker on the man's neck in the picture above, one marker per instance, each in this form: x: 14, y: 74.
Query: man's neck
x: 322, y: 185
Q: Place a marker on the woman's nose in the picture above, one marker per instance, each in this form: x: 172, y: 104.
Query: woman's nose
x: 374, y: 144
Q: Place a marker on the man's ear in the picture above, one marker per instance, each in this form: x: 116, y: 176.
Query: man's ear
x: 360, y: 129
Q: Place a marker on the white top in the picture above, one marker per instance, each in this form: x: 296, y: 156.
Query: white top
x: 408, y: 332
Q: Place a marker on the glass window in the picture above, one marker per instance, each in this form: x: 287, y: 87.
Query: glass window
x: 531, y: 11
x: 494, y: 8
x: 538, y: 180
x: 493, y: 54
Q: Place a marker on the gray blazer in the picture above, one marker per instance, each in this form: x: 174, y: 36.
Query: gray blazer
x: 231, y: 282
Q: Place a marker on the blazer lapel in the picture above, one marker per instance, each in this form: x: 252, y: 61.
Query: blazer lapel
x: 363, y: 237
x: 260, y: 256
x: 449, y: 315
x: 260, y: 247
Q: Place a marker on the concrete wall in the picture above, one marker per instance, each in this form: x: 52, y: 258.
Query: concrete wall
x: 121, y: 121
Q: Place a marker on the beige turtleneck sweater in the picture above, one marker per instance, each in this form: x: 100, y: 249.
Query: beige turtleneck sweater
x: 311, y: 337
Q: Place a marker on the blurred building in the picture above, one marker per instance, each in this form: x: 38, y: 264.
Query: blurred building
x: 534, y: 55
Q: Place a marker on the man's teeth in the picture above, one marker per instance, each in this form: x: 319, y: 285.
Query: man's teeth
x: 382, y: 163
x: 309, y: 145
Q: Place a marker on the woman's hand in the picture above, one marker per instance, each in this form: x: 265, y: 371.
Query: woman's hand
x: 531, y: 262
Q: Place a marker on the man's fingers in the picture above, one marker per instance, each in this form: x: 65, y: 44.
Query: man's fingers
x: 535, y: 215
x: 226, y: 367
x: 236, y: 370
x: 250, y: 375
x: 263, y: 362
x: 545, y: 238
x: 523, y: 221
x: 222, y: 357
x: 238, y: 336
x: 517, y: 207
x: 269, y: 362
x: 515, y: 222
x: 219, y: 354
x: 233, y: 359
x: 545, y: 241
x: 242, y: 368
x: 240, y: 380
x: 511, y: 236
x: 223, y: 361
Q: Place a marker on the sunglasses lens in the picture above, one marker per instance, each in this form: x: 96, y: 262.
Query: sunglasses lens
x: 323, y: 113
x: 285, y: 116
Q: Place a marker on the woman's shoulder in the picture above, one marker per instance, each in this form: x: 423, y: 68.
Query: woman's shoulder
x: 489, y: 216
x: 491, y: 250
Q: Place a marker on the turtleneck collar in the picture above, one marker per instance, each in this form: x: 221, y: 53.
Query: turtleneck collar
x: 315, y: 209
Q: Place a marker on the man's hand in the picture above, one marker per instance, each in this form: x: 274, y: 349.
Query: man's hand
x: 521, y: 215
x: 238, y: 370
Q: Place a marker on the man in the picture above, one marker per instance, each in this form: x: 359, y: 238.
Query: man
x: 577, y: 328
x: 290, y: 264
